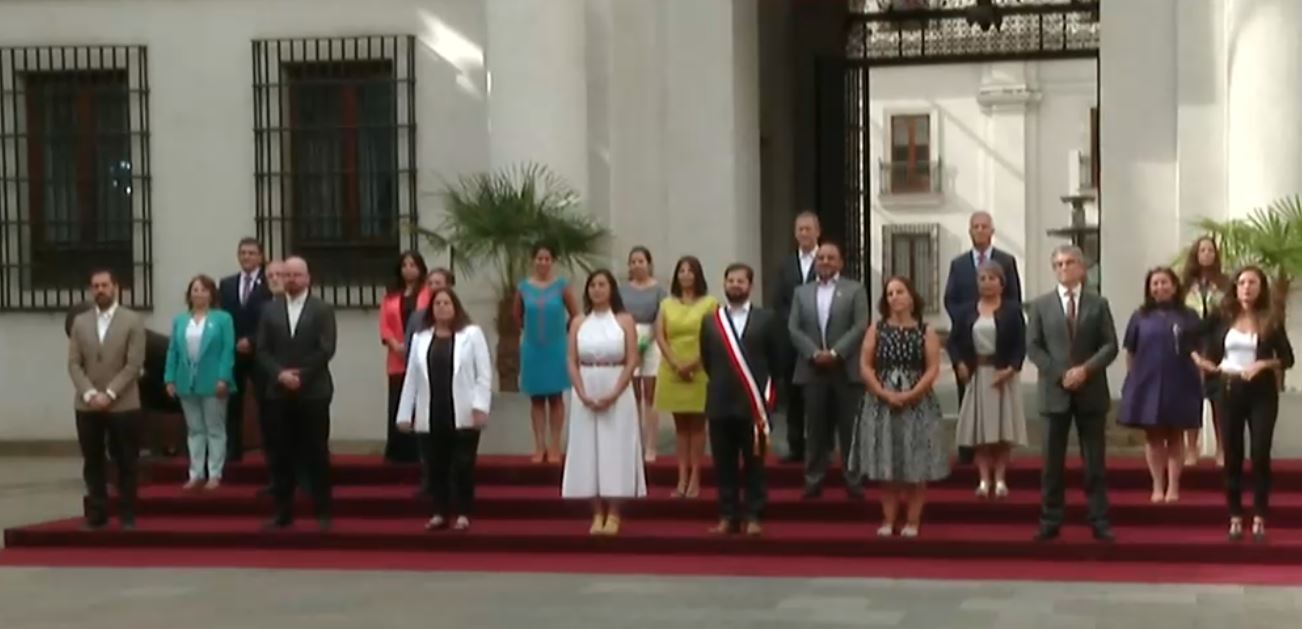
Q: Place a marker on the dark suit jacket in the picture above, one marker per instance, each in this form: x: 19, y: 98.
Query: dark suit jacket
x: 961, y: 285
x: 309, y: 349
x: 725, y: 395
x: 783, y: 291
x: 1273, y: 345
x: 1054, y: 352
x: 246, y: 314
x: 1010, y: 341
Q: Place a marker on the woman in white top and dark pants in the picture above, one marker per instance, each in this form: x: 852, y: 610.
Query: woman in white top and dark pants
x: 1249, y: 348
x: 446, y: 397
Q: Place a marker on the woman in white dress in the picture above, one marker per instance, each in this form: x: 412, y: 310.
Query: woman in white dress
x: 604, y: 458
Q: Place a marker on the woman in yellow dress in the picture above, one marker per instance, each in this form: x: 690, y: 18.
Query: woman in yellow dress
x: 680, y: 381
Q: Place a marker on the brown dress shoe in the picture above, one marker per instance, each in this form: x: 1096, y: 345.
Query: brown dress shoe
x: 724, y: 527
x: 753, y: 528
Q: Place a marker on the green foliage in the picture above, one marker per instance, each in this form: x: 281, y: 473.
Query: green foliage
x: 1269, y: 237
x: 494, y: 220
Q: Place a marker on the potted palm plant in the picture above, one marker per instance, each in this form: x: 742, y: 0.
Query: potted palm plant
x: 492, y: 222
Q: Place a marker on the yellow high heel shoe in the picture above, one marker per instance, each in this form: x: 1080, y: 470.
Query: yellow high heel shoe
x: 612, y: 525
x: 598, y: 525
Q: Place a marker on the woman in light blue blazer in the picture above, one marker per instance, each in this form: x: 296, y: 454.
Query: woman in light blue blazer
x: 200, y: 373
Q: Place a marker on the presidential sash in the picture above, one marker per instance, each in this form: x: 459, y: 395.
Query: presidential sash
x: 761, y: 401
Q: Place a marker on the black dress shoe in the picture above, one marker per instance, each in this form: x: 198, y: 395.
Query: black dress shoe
x: 1046, y: 534
x: 94, y: 525
x: 1104, y: 534
x: 854, y: 493
x: 324, y: 524
x: 812, y: 492
x: 278, y: 524
x: 128, y: 524
x: 793, y: 458
x: 264, y: 491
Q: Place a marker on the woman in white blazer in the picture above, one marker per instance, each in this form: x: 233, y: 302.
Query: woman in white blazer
x: 446, y: 396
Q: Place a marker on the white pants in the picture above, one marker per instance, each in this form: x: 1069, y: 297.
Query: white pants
x: 205, y: 422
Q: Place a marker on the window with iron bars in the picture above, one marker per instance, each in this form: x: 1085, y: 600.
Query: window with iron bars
x: 335, y: 158
x: 910, y: 251
x: 74, y: 174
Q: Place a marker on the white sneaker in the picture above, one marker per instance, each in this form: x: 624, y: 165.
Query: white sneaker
x: 886, y: 530
x: 909, y: 532
x: 983, y: 490
x: 1001, y: 490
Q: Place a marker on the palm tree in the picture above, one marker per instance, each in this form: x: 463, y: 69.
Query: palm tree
x: 492, y: 223
x: 1269, y: 237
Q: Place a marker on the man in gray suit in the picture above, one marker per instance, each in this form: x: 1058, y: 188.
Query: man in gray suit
x: 827, y: 323
x: 1071, y: 340
x: 106, y: 351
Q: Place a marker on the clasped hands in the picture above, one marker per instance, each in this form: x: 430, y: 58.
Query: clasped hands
x: 596, y: 405
x: 1075, y: 378
x: 290, y: 379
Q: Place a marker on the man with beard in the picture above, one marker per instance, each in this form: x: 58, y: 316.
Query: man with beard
x: 740, y: 346
x: 106, y: 351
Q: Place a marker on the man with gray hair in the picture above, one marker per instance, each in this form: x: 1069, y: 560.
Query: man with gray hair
x: 1071, y: 340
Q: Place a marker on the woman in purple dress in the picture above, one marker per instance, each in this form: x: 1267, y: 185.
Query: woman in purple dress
x: 1162, y: 394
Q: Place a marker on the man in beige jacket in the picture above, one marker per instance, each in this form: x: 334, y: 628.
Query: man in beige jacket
x: 106, y: 351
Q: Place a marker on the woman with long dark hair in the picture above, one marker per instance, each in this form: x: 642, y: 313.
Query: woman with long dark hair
x: 680, y: 384
x: 603, y: 462
x: 544, y: 305
x: 1162, y: 394
x: 1249, y: 348
x: 406, y: 294
x: 447, y: 394
x: 1205, y: 287
x: 898, y: 437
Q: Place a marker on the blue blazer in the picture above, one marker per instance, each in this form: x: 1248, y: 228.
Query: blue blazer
x: 961, y: 285
x: 1010, y: 330
x: 216, y: 361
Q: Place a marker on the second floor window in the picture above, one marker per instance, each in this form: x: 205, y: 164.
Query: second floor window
x: 910, y: 165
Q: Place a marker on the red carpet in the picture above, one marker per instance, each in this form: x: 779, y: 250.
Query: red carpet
x: 522, y: 525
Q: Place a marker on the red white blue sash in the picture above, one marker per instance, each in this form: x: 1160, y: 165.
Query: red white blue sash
x: 762, y: 400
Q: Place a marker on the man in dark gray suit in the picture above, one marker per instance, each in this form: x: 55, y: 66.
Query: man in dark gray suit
x: 1071, y: 340
x: 827, y: 323
x: 295, y: 342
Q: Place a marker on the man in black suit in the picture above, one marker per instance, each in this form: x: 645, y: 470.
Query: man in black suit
x: 961, y: 285
x: 296, y: 340
x: 243, y: 295
x: 797, y: 269
x: 740, y: 344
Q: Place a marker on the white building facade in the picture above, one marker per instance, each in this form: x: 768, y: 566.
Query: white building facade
x: 685, y: 124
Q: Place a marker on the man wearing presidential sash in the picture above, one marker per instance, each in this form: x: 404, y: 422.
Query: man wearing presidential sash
x: 740, y: 343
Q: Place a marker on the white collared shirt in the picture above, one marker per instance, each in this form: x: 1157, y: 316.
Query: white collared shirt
x: 1075, y: 296
x: 739, y: 315
x: 977, y: 253
x: 806, y: 262
x: 294, y: 308
x: 103, y: 319
x: 194, y: 335
x: 826, y: 292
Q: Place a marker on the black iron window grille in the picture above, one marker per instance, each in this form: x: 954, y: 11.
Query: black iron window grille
x: 911, y: 251
x: 335, y: 158
x: 74, y: 174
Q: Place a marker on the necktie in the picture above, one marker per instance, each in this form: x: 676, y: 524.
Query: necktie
x: 1071, y: 314
x: 245, y: 287
x: 981, y: 258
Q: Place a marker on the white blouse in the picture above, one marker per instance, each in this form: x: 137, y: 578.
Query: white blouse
x: 1240, y: 351
x: 194, y: 337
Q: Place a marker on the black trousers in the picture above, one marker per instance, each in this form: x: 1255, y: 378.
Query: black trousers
x: 1254, y: 406
x: 300, y: 440
x: 119, y: 435
x: 965, y: 453
x: 399, y: 447
x: 1090, y: 429
x: 732, y: 444
x: 831, y: 400
x: 244, y: 369
x: 450, y: 473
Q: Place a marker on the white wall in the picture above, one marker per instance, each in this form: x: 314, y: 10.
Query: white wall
x: 1008, y: 157
x: 671, y: 147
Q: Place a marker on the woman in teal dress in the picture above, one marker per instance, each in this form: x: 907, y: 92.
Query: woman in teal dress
x: 543, y: 307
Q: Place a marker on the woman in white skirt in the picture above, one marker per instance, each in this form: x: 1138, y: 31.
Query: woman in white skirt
x: 988, y: 346
x: 642, y: 295
x: 604, y: 458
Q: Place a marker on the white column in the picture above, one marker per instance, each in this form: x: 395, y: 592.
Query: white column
x: 711, y: 75
x: 537, y: 86
x: 1265, y: 102
x: 1007, y: 98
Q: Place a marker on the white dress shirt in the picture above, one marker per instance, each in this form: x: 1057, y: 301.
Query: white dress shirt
x: 806, y: 262
x: 294, y: 307
x: 104, y: 319
x: 194, y: 336
x: 826, y: 292
x: 1075, y: 296
x: 739, y: 315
